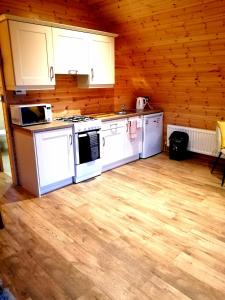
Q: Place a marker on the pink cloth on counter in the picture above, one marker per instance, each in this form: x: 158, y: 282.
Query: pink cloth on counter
x: 133, y: 129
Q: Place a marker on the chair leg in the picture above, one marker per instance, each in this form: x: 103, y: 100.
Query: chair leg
x: 215, y: 162
x: 223, y: 177
x: 1, y: 221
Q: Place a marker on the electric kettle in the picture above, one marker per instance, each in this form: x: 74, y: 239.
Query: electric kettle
x: 141, y: 102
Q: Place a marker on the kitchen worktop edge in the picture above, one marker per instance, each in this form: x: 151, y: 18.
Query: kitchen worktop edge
x: 43, y: 127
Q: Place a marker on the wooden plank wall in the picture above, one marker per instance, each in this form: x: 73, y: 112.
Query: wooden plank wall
x: 173, y: 51
x: 66, y: 96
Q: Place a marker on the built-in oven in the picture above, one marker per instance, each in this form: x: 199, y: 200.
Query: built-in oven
x: 87, y: 154
x: 87, y: 146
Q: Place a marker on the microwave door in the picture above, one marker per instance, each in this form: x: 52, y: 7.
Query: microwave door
x: 32, y: 115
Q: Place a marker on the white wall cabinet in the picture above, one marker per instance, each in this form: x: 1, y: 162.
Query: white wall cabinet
x: 101, y: 62
x: 27, y: 55
x: 45, y: 159
x: 33, y: 52
x: 70, y: 51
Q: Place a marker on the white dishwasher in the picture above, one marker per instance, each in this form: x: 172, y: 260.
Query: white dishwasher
x: 152, y: 134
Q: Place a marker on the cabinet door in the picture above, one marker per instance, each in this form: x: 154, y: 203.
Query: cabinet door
x: 133, y: 138
x: 112, y: 145
x: 32, y: 54
x: 70, y: 51
x: 55, y: 156
x: 102, y: 61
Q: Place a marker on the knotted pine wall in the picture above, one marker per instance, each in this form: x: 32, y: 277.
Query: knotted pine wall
x: 173, y: 51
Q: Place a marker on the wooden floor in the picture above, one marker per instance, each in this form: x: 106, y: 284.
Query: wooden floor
x: 152, y: 229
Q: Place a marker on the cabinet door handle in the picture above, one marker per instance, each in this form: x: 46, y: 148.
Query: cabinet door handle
x: 51, y: 73
x: 72, y: 72
x: 103, y: 140
x: 92, y: 74
x: 71, y: 139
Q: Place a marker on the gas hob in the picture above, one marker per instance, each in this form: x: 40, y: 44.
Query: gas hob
x: 82, y: 123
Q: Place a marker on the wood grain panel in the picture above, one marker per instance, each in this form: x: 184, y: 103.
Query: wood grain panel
x: 173, y: 51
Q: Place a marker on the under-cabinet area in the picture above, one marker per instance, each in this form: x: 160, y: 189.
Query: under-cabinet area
x: 33, y: 52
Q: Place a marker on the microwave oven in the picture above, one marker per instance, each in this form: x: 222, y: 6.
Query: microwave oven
x: 31, y: 114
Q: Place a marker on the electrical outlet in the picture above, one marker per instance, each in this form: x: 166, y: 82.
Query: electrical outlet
x: 20, y: 92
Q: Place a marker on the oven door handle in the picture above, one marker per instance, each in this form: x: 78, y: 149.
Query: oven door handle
x: 76, y: 149
x: 82, y: 134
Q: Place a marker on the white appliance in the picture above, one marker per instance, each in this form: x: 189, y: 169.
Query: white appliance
x: 31, y: 114
x: 152, y: 134
x: 87, y: 147
x: 141, y: 102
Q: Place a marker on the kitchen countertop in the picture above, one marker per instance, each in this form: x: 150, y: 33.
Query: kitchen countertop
x: 43, y: 127
x: 102, y: 116
x: 130, y: 113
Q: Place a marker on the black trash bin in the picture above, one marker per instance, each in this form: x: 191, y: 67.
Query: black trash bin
x: 178, y: 145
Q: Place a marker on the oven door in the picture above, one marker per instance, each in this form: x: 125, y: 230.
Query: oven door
x: 87, y: 146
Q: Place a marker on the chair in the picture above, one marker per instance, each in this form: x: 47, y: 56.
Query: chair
x: 220, y: 135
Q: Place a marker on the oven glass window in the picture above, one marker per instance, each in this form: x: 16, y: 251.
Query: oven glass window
x: 33, y: 114
x: 89, y: 146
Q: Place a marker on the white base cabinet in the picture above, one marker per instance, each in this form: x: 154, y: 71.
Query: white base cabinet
x: 133, y: 138
x: 45, y: 159
x: 113, y: 137
x: 120, y: 145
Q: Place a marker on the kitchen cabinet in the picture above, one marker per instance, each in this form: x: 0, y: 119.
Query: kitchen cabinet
x: 51, y: 159
x: 133, y: 138
x: 119, y: 144
x: 113, y: 134
x: 54, y: 154
x: 33, y: 51
x: 70, y: 51
x: 101, y: 62
x: 27, y: 53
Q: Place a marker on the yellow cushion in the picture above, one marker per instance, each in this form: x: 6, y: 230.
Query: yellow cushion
x: 221, y: 125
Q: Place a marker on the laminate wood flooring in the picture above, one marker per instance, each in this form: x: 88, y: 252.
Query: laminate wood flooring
x: 152, y: 229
